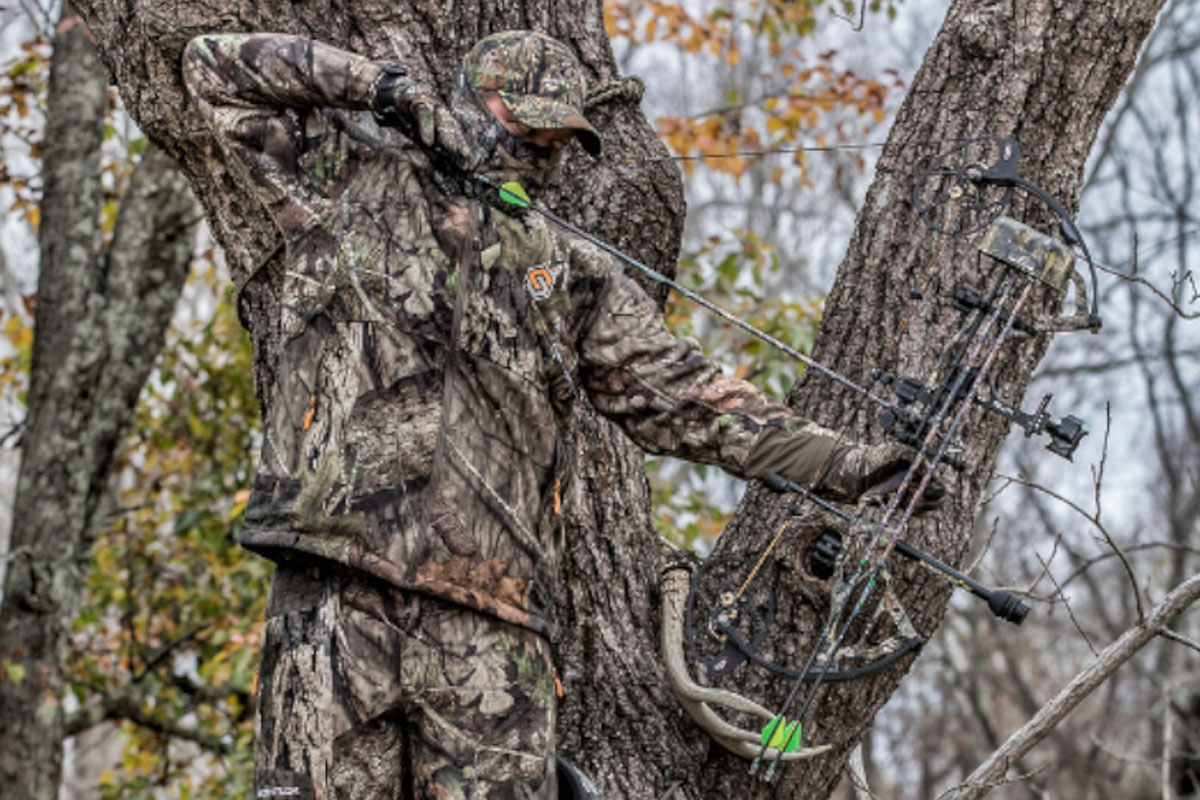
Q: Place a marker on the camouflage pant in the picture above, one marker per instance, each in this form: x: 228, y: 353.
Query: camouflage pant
x: 369, y: 693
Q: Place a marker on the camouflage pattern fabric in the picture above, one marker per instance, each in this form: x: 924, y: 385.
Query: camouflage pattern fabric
x: 538, y: 79
x: 416, y: 422
x: 369, y: 693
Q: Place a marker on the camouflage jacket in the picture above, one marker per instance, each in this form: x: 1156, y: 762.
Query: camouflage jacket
x: 420, y: 395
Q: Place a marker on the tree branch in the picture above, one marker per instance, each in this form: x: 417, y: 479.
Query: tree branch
x: 992, y: 770
x: 125, y: 705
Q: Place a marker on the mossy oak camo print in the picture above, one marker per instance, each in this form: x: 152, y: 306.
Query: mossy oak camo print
x: 418, y: 405
x: 537, y: 78
x: 366, y: 694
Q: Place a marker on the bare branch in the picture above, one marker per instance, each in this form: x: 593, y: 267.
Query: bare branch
x: 125, y: 704
x: 1092, y: 517
x: 1089, y: 563
x: 992, y: 770
x: 1178, y: 281
x: 1067, y: 604
x: 1175, y: 636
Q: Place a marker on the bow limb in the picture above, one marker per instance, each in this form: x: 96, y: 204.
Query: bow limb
x: 696, y: 699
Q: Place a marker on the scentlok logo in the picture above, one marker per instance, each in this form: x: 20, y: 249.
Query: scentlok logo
x: 278, y: 791
x: 541, y: 282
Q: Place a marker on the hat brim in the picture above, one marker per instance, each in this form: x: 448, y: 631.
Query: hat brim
x: 541, y: 113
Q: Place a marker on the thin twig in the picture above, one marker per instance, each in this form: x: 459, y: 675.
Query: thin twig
x: 1070, y: 612
x: 1175, y: 636
x: 1091, y: 562
x: 987, y: 787
x: 1177, y: 280
x: 1093, y: 517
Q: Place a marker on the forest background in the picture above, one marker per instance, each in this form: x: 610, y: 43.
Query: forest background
x: 165, y: 645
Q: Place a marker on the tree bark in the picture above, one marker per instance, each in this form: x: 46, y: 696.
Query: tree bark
x: 100, y: 320
x: 1044, y: 73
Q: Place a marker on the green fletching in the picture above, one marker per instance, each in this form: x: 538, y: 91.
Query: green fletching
x: 793, y: 738
x: 782, y: 735
x: 768, y: 731
x: 514, y: 194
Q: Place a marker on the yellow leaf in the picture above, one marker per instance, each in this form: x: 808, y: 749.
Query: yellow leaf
x: 15, y: 671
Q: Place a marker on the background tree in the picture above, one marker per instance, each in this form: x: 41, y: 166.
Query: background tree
x: 101, y: 313
x: 1136, y: 738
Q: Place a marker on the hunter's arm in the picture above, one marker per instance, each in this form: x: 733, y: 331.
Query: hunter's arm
x: 672, y: 400
x: 240, y: 71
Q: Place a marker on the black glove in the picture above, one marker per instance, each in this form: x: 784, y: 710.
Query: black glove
x: 417, y: 112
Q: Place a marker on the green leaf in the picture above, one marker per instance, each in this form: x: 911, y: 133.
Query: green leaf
x: 513, y: 193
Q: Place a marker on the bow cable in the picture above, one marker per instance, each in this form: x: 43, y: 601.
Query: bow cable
x: 971, y: 376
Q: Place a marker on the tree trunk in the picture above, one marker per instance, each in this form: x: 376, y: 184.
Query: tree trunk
x: 1040, y: 72
x: 100, y: 321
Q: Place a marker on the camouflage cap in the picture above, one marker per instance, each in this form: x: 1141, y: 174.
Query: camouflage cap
x: 538, y: 78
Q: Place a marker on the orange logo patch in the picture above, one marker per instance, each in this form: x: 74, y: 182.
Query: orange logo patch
x: 541, y: 282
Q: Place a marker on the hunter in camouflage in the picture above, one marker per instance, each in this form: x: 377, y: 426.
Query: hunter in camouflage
x: 419, y: 404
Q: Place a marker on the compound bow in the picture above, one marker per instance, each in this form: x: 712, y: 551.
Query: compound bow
x: 725, y: 615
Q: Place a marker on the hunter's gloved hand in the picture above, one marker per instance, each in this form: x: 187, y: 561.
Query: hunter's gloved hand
x: 879, y: 469
x: 417, y: 112
x: 843, y: 471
